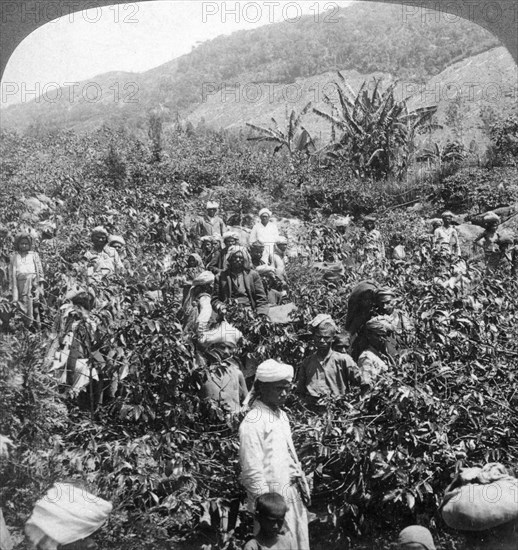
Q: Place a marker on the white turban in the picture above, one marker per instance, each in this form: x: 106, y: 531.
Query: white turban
x: 264, y: 269
x: 265, y: 211
x: 66, y: 514
x: 99, y: 229
x: 203, y: 278
x: 322, y: 318
x: 230, y: 234
x: 273, y: 371
x: 212, y: 204
x: 209, y: 238
x: 117, y: 239
x: 491, y: 217
x: 282, y: 240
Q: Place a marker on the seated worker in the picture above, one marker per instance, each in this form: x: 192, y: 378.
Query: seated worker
x: 237, y: 281
x: 256, y: 250
x: 280, y: 259
x: 326, y: 372
x: 273, y: 285
x: 218, y: 261
x: 270, y: 510
x: 415, y: 537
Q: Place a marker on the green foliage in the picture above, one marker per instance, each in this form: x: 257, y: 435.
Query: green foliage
x: 479, y: 189
x: 142, y: 437
x: 504, y: 137
x: 377, y: 131
x: 295, y: 138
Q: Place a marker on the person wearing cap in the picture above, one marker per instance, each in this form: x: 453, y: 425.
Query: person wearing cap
x: 266, y: 231
x: 267, y: 456
x: 217, y: 264
x: 66, y: 518
x: 373, y: 247
x: 239, y: 282
x: 103, y: 258
x: 415, y: 537
x: 224, y: 382
x: 256, y: 250
x: 493, y: 241
x: 325, y: 372
x: 445, y: 237
x: 373, y: 360
x: 211, y: 224
x: 280, y: 259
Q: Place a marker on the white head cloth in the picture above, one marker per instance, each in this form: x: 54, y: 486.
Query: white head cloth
x: 264, y: 269
x: 282, y: 240
x: 66, y: 514
x: 99, y: 229
x: 265, y: 211
x: 322, y: 318
x: 229, y: 234
x: 212, y: 204
x: 273, y: 371
x: 117, y: 239
x: 492, y: 217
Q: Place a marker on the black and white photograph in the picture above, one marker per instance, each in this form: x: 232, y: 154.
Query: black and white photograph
x: 259, y: 275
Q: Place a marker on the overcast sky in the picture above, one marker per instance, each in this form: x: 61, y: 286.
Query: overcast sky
x: 135, y: 37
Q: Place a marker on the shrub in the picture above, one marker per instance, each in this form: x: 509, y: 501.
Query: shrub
x: 479, y: 189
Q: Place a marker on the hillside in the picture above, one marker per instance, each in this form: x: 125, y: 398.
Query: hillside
x: 469, y: 94
x: 365, y: 38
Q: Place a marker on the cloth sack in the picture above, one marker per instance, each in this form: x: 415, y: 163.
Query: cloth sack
x: 480, y: 499
x: 66, y: 514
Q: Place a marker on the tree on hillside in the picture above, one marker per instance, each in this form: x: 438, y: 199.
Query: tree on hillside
x: 375, y: 131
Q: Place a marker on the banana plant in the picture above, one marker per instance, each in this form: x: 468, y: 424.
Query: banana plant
x: 373, y: 131
x: 294, y: 137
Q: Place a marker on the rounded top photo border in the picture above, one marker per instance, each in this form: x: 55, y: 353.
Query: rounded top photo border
x: 19, y: 18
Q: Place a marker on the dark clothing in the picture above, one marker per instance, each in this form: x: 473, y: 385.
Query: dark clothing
x: 332, y: 375
x: 247, y: 288
x: 216, y: 264
x: 214, y: 227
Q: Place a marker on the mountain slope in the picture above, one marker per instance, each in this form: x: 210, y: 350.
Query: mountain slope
x: 366, y: 38
x: 468, y: 94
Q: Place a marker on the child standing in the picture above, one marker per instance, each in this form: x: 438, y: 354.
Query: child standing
x: 26, y: 279
x: 270, y: 510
